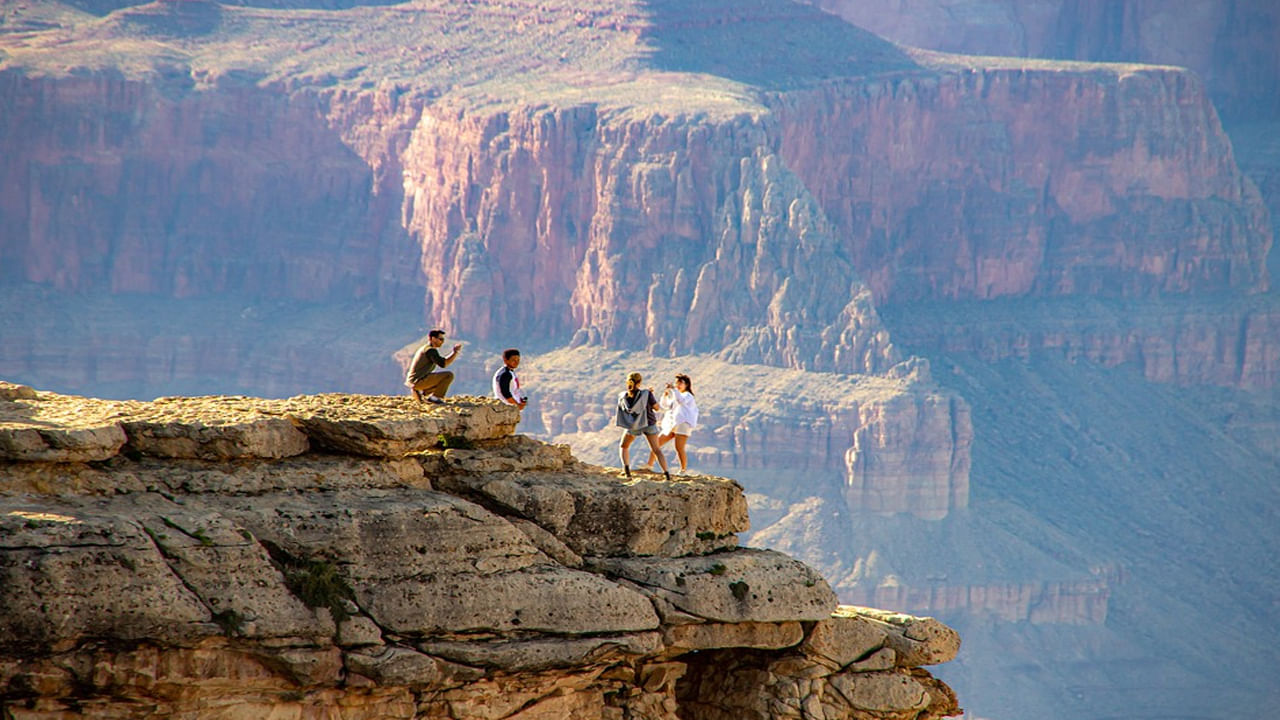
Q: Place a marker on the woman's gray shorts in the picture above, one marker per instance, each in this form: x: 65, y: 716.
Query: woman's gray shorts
x: 647, y: 430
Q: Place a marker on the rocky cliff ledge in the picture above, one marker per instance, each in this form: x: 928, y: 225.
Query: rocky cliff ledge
x: 366, y: 557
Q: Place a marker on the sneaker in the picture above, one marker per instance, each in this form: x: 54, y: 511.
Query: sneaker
x: 683, y: 472
x: 434, y: 400
x: 627, y: 469
x: 666, y: 475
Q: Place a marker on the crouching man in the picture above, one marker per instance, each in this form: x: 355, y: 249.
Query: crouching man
x: 427, y: 376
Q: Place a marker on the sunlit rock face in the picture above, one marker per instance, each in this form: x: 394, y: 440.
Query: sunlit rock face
x: 759, y: 213
x: 380, y: 558
x: 890, y: 164
x: 673, y: 235
x: 984, y: 183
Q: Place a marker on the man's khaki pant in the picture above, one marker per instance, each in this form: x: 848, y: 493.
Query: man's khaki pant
x: 437, y: 383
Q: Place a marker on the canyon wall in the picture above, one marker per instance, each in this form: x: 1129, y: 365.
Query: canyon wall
x: 673, y: 235
x: 974, y: 182
x: 503, y: 248
x: 362, y: 556
x: 997, y: 180
x: 570, y: 224
x: 181, y: 185
x: 1230, y: 44
x: 738, y: 235
x: 1223, y: 341
x: 900, y: 453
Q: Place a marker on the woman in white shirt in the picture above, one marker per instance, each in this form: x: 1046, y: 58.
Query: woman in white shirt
x: 680, y: 417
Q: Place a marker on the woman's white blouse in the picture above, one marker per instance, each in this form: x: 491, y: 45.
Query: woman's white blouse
x: 679, y: 407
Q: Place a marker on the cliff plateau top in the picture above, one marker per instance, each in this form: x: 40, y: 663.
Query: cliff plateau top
x: 664, y: 55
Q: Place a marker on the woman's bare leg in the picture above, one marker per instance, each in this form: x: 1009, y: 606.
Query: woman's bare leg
x: 662, y: 440
x: 655, y: 449
x: 680, y: 443
x: 624, y: 449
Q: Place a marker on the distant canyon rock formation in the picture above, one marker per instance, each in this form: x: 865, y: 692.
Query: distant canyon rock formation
x: 767, y: 238
x: 1230, y: 44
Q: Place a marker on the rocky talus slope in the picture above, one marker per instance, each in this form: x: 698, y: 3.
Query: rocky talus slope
x: 366, y: 557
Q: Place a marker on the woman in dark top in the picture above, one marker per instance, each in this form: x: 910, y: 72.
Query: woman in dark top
x: 637, y: 415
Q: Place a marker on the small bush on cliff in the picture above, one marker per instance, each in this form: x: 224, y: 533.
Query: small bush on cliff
x: 458, y: 442
x: 316, y: 583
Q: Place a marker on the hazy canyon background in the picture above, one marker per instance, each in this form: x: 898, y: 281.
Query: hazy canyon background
x: 976, y: 295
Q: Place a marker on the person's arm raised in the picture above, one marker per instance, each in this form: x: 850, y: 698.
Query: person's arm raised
x: 453, y: 355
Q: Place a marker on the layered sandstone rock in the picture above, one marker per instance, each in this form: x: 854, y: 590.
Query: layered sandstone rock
x: 622, y: 233
x: 424, y: 563
x: 1230, y: 44
x: 888, y: 161
x: 900, y: 451
x: 1019, y: 197
x: 1224, y: 341
x: 704, y: 218
x: 112, y: 175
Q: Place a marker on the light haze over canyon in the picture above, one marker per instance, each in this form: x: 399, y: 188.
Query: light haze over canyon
x: 977, y: 295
